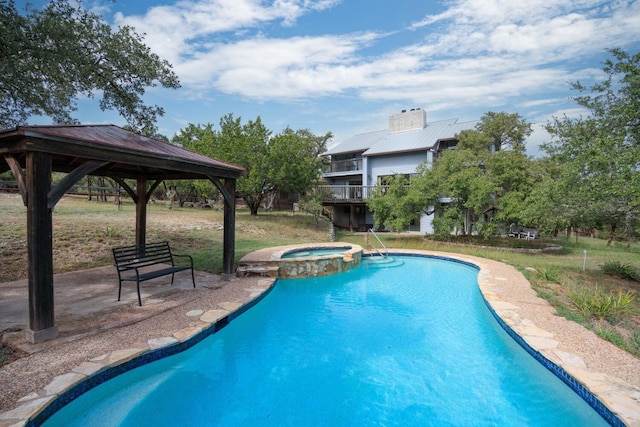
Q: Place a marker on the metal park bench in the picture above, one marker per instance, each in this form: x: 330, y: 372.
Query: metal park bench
x: 139, y: 263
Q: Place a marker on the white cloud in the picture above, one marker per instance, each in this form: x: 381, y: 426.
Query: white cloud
x: 486, y: 52
x: 176, y: 31
x: 540, y: 30
x: 278, y: 68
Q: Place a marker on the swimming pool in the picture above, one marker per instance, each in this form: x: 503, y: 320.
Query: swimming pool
x: 413, y: 345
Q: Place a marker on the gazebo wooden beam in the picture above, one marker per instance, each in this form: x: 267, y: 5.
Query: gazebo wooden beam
x: 127, y: 188
x: 40, y: 248
x: 71, y: 179
x: 141, y: 211
x: 14, y: 165
x: 228, y: 190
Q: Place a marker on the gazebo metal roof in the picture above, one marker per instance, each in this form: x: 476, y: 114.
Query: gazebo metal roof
x: 129, y: 155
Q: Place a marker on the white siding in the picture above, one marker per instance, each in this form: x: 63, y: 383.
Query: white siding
x: 426, y: 225
x: 405, y: 163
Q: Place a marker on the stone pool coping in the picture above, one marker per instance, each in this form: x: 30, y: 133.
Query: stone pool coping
x: 504, y: 288
x: 271, y: 261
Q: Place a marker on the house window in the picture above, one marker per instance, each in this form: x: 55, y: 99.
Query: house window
x: 387, y: 179
x: 447, y: 144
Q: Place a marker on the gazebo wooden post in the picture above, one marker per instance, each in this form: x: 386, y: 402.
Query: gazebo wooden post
x: 141, y: 211
x: 40, y: 248
x: 229, y: 238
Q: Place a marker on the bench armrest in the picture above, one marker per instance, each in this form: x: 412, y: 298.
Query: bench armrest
x: 184, y: 256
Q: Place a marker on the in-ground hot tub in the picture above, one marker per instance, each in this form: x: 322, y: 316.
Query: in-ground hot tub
x: 315, y: 260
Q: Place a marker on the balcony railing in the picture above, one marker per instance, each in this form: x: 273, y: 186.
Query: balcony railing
x: 349, y: 193
x: 346, y: 165
x: 346, y: 192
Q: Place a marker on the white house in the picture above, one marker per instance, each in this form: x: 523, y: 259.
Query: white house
x: 360, y: 163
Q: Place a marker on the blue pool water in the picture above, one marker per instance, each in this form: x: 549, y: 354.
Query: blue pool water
x: 412, y: 345
x: 306, y: 253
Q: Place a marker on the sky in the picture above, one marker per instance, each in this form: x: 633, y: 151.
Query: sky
x: 345, y: 66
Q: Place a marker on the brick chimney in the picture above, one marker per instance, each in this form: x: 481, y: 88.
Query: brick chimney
x: 415, y: 118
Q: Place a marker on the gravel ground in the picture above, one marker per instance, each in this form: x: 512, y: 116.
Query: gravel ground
x: 136, y: 325
x: 599, y: 355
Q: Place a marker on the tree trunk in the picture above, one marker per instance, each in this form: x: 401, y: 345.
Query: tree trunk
x: 612, y: 235
x: 116, y: 192
x: 268, y: 203
x: 89, y: 183
x: 253, y: 203
x: 469, y: 222
x: 102, y: 191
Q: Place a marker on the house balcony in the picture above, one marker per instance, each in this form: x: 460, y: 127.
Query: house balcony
x: 350, y: 165
x: 338, y: 194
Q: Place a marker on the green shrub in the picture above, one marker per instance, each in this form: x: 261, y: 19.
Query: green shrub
x: 617, y: 268
x: 111, y: 232
x: 610, y: 334
x: 595, y: 304
x: 549, y: 274
x: 634, y: 342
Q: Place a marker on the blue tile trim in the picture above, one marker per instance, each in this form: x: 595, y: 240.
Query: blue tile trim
x: 150, y: 356
x: 564, y: 376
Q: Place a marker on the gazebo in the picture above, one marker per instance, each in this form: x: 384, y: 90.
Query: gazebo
x: 32, y: 153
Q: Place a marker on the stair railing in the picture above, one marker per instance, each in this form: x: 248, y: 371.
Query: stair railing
x: 372, y: 246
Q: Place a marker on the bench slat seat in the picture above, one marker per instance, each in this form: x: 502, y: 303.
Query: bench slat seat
x: 138, y: 263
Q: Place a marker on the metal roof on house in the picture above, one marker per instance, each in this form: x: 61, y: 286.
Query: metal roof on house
x: 357, y: 143
x: 384, y: 142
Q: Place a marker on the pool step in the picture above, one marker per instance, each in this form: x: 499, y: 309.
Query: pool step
x: 260, y: 270
x: 381, y: 262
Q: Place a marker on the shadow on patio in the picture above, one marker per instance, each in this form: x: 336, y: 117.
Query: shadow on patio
x: 86, y: 302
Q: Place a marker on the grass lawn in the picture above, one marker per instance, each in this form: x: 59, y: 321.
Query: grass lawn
x: 85, y: 231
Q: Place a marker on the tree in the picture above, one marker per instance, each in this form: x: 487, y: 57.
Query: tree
x: 201, y: 140
x: 460, y: 186
x: 549, y: 204
x: 486, y: 179
x: 508, y: 130
x: 295, y: 159
x: 287, y: 162
x: 243, y: 145
x: 474, y: 187
x: 247, y: 146
x: 600, y: 153
x: 392, y: 205
x: 514, y: 176
x: 51, y: 57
